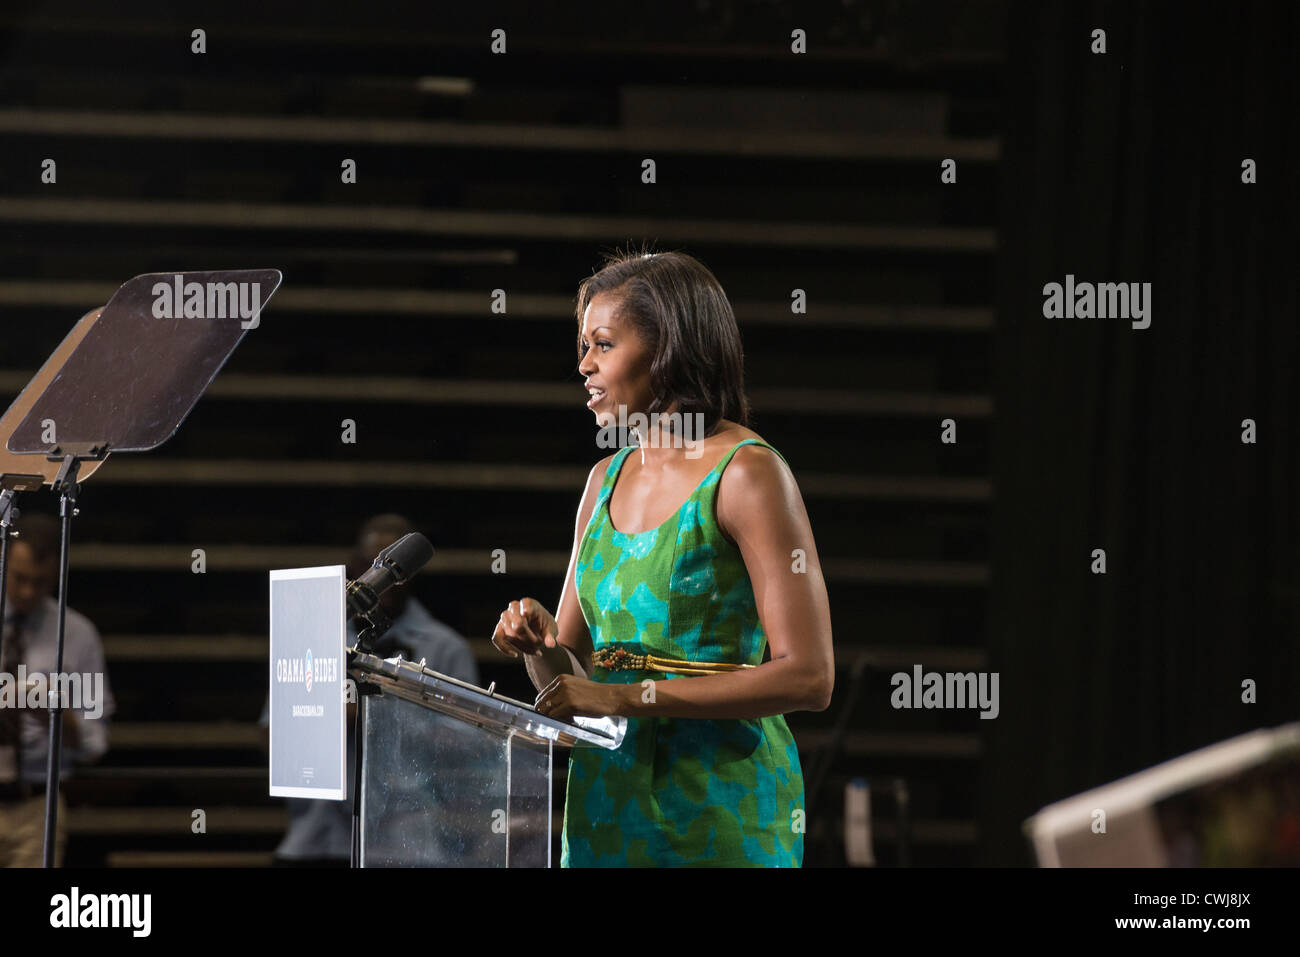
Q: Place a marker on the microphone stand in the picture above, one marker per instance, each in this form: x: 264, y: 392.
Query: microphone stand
x: 395, y: 565
x: 376, y: 624
x: 820, y: 767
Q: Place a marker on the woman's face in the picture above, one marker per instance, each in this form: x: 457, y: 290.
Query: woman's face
x: 615, y: 360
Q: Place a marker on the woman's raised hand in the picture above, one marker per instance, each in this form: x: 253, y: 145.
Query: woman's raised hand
x: 525, y: 627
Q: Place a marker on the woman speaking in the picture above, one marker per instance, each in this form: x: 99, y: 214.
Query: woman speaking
x: 692, y: 553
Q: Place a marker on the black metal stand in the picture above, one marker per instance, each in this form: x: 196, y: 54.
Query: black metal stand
x: 820, y: 767
x: 363, y: 690
x: 65, y: 484
x: 376, y: 624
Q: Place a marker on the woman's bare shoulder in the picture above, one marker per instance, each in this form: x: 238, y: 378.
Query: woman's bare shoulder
x: 597, y: 474
x: 730, y: 433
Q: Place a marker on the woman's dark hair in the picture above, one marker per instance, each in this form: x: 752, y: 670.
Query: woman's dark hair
x: 679, y: 309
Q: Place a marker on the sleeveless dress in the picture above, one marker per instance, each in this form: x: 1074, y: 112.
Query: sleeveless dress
x: 679, y: 791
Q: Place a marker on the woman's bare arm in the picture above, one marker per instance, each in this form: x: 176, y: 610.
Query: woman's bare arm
x: 759, y: 505
x: 573, y: 634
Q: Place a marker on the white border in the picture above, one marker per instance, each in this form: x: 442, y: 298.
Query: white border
x: 338, y: 572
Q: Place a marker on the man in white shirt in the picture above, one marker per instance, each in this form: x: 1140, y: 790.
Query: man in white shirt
x: 27, y: 657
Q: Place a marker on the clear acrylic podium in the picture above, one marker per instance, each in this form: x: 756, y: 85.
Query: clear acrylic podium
x: 453, y: 775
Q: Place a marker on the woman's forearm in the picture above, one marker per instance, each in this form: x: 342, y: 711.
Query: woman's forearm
x: 775, y: 687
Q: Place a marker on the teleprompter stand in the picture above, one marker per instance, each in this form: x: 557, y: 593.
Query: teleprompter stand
x: 23, y: 474
x: 123, y: 380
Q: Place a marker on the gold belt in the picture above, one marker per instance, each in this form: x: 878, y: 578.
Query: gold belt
x: 619, y: 659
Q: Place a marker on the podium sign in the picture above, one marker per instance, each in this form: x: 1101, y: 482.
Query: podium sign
x: 308, y: 709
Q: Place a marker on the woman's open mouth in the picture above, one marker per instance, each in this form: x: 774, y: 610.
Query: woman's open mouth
x: 595, y: 398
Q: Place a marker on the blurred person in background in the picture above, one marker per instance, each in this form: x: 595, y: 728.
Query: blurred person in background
x: 320, y: 832
x: 30, y: 636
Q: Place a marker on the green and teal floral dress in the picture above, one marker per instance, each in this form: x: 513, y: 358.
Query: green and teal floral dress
x: 679, y: 791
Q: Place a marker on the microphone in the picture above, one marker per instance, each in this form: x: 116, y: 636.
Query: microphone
x: 395, y: 565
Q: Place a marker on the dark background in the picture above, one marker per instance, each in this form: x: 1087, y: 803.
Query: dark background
x: 817, y: 172
x: 1128, y: 166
